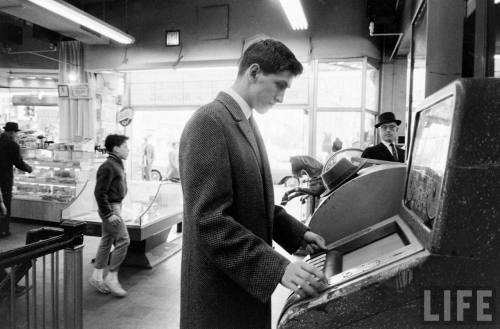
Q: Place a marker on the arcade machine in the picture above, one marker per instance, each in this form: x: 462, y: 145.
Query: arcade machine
x: 436, y: 262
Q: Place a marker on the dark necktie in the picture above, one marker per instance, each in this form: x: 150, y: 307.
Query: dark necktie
x: 394, y: 152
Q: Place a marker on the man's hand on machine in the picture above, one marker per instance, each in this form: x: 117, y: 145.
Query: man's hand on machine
x: 304, y: 279
x: 313, y: 242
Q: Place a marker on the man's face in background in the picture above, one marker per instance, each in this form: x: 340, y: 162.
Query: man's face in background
x: 388, y: 132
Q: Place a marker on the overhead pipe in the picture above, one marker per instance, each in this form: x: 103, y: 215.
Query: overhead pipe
x: 371, y: 28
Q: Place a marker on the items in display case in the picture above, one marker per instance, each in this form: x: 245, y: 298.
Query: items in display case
x: 49, y: 181
x: 52, y: 184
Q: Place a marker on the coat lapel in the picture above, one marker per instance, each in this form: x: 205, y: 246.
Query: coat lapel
x: 268, y: 180
x: 241, y: 121
x: 387, y: 153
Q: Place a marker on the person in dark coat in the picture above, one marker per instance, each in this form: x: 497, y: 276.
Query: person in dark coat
x: 229, y: 268
x: 10, y: 155
x: 110, y: 190
x: 388, y: 131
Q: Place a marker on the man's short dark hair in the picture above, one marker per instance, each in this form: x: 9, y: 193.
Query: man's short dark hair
x: 272, y: 57
x: 114, y: 140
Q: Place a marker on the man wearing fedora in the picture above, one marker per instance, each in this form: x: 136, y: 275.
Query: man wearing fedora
x: 10, y: 155
x: 388, y: 131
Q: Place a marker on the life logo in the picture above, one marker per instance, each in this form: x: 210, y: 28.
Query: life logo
x: 125, y: 116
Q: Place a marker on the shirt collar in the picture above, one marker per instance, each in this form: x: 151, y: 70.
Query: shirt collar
x: 241, y: 102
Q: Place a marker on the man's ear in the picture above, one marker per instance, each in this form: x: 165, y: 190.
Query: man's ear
x: 253, y: 70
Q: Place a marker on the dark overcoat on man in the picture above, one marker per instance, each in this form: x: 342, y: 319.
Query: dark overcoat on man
x: 381, y: 152
x: 229, y: 267
x: 10, y: 156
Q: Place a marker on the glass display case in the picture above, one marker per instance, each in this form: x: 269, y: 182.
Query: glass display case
x: 146, y: 202
x: 50, y: 187
x: 150, y: 209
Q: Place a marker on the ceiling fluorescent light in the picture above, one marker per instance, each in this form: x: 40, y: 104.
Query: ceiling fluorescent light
x: 78, y: 16
x: 295, y: 14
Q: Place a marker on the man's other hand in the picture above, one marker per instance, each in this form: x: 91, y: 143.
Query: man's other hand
x: 304, y: 279
x: 313, y: 242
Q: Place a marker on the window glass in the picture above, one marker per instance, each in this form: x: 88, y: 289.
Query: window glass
x: 162, y: 128
x: 372, y: 80
x: 339, y: 84
x: 198, y: 86
x: 369, y: 135
x: 179, y: 87
x: 332, y: 125
x: 285, y: 134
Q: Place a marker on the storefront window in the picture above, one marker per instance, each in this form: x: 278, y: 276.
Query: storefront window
x: 339, y: 84
x: 341, y: 103
x: 372, y: 81
x: 369, y: 133
x: 285, y: 134
x: 167, y: 98
x: 161, y: 129
x: 332, y: 125
x: 179, y: 87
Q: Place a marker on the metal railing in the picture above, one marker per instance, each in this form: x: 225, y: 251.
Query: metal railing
x: 37, y: 265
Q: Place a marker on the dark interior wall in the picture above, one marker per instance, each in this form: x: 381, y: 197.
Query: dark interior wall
x: 337, y: 29
x: 17, y: 36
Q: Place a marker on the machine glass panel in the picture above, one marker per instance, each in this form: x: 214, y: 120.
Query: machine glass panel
x: 428, y: 159
x: 373, y: 250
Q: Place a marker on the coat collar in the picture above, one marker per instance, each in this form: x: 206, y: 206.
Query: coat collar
x: 242, y: 122
x: 115, y: 158
x: 232, y: 106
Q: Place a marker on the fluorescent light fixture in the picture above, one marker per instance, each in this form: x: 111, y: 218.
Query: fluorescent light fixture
x: 497, y: 1
x: 295, y: 14
x: 78, y: 16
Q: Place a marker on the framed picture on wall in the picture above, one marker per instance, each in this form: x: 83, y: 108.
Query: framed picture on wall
x: 63, y: 90
x: 80, y: 90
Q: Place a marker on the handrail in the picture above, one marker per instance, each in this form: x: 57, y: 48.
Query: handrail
x: 70, y: 237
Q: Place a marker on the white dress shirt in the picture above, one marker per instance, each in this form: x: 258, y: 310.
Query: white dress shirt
x: 247, y: 110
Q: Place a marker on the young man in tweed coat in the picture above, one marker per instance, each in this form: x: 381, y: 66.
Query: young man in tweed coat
x: 229, y: 267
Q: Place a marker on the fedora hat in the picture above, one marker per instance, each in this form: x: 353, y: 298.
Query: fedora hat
x: 387, y: 117
x: 339, y: 173
x: 11, y: 126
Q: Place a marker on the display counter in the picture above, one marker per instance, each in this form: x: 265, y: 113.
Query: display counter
x: 53, y: 184
x: 150, y: 209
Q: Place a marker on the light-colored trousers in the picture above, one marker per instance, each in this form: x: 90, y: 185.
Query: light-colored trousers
x: 116, y: 235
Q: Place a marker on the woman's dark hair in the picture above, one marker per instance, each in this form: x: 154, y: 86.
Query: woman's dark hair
x: 272, y: 57
x: 114, y: 140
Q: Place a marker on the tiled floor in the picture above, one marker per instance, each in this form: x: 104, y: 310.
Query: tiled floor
x: 153, y: 294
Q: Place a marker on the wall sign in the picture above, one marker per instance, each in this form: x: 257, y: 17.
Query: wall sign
x: 125, y: 116
x: 80, y: 90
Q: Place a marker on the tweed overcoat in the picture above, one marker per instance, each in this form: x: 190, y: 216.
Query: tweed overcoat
x: 381, y: 152
x: 229, y: 267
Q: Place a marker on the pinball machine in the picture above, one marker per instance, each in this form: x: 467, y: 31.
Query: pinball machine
x: 434, y: 260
